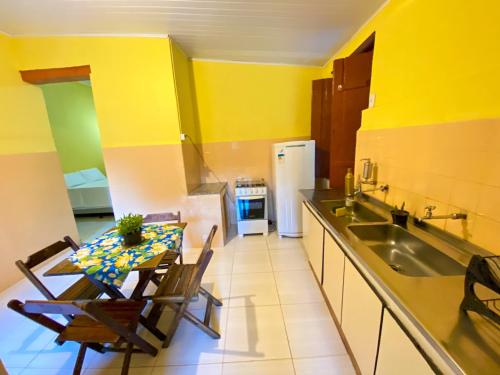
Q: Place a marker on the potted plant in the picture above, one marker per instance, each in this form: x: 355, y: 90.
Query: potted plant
x: 130, y: 227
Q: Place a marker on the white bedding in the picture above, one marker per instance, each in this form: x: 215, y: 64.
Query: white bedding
x: 88, y: 191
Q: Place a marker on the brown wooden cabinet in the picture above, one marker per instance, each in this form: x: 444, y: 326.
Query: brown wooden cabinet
x: 336, y: 115
x: 321, y: 124
x: 351, y: 91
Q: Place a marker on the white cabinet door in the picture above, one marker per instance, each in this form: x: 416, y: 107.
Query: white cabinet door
x: 306, y: 224
x: 361, y: 314
x: 313, y: 241
x: 397, y: 354
x: 333, y: 274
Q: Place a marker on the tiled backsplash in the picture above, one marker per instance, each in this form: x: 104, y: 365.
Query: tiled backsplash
x: 455, y: 167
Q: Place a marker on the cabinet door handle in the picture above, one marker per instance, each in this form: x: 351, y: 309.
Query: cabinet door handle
x: 339, y: 87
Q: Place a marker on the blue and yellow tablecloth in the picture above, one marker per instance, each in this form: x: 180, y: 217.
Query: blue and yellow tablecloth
x: 106, y: 259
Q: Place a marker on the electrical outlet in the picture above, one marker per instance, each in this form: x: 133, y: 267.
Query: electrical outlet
x: 371, y: 100
x: 183, y: 136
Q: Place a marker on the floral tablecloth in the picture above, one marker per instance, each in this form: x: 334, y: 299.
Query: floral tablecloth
x: 106, y: 259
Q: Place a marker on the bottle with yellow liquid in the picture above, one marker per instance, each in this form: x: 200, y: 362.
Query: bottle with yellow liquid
x: 349, y: 189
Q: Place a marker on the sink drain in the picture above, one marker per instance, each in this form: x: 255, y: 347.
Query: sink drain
x: 396, y: 267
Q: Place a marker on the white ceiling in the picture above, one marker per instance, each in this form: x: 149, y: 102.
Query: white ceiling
x: 268, y: 31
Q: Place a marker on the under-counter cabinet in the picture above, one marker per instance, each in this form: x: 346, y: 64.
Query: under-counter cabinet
x: 361, y: 316
x: 313, y: 233
x: 333, y: 274
x: 397, y: 354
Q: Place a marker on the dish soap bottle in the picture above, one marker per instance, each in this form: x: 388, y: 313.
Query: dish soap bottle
x: 349, y: 188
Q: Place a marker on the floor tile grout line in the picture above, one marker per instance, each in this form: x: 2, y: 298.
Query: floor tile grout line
x: 270, y: 305
x: 228, y: 311
x: 323, y: 356
x: 284, y: 323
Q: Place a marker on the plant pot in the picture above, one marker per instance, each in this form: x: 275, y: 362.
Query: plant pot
x: 133, y: 238
x: 400, y: 217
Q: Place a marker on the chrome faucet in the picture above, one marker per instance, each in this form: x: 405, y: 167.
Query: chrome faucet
x: 359, y: 188
x: 430, y: 216
x: 369, y: 178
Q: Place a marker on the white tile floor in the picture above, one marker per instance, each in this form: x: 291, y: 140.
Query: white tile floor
x: 89, y: 227
x: 274, y: 321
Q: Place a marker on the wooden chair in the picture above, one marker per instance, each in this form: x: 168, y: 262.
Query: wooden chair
x: 166, y: 217
x: 95, y: 323
x: 168, y: 260
x: 177, y: 289
x: 82, y: 289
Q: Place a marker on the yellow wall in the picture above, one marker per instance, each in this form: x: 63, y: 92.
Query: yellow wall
x: 24, y: 126
x: 434, y: 62
x: 131, y: 78
x: 32, y: 191
x: 238, y: 102
x: 188, y: 116
x: 184, y: 84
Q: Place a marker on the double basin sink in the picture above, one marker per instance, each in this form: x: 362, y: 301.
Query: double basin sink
x: 402, y: 251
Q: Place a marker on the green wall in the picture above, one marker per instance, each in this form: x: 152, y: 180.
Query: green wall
x: 73, y: 120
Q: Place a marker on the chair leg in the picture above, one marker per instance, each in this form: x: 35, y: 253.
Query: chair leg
x: 155, y: 280
x: 201, y: 325
x: 79, y: 360
x: 155, y: 314
x: 173, y: 326
x: 126, y: 360
x: 181, y: 257
x: 208, y: 313
x: 209, y: 296
x: 151, y: 328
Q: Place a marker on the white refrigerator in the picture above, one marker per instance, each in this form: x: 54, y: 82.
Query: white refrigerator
x: 293, y: 169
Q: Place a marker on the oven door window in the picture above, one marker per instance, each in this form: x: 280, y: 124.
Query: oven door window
x: 251, y: 208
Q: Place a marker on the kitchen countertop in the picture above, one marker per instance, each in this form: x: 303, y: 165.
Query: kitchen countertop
x: 467, y: 343
x: 209, y: 188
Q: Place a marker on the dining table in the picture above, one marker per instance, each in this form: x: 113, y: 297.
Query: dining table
x: 106, y: 262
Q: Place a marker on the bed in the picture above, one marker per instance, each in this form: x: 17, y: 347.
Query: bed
x: 88, y: 191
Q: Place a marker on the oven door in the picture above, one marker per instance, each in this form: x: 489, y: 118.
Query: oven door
x: 251, y: 207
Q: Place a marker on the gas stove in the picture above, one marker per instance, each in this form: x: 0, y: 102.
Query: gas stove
x: 251, y: 206
x: 250, y: 187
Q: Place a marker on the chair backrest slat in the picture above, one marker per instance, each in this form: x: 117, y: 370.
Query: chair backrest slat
x: 163, y: 216
x: 207, y: 246
x: 198, y: 276
x: 54, y: 307
x: 46, y: 253
x: 40, y: 257
x: 45, y: 321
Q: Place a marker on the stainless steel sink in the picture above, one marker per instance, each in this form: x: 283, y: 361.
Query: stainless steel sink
x: 406, y: 253
x: 357, y: 214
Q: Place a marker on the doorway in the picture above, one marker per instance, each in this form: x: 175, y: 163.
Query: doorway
x: 73, y: 121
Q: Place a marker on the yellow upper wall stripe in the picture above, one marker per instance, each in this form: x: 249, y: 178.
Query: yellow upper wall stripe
x: 434, y: 62
x: 131, y: 78
x: 238, y: 102
x: 24, y: 125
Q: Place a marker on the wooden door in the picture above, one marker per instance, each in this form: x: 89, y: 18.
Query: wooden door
x: 321, y: 121
x: 351, y: 91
